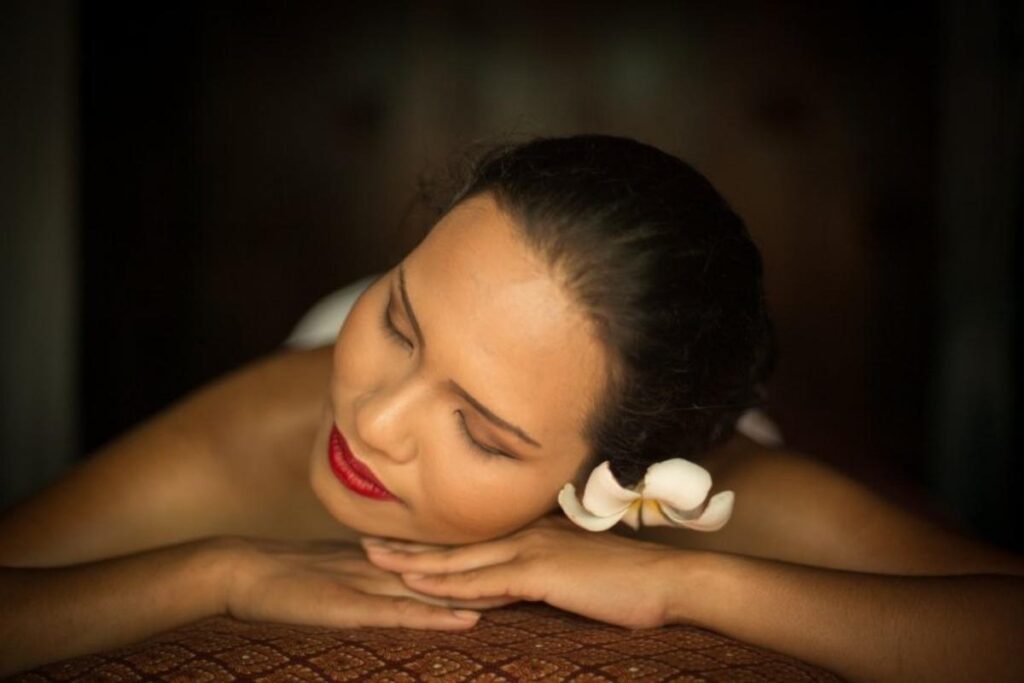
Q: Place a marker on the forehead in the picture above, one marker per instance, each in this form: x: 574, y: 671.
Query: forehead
x: 498, y: 323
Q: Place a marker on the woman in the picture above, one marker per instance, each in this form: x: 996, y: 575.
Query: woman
x: 584, y: 300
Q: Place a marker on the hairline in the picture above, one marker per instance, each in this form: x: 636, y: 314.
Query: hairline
x: 609, y: 395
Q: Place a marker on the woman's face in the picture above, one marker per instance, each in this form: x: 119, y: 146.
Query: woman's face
x: 470, y: 411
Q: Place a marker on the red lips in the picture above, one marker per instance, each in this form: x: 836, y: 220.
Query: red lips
x: 355, y: 475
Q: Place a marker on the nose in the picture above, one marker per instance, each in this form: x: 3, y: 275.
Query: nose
x: 383, y: 418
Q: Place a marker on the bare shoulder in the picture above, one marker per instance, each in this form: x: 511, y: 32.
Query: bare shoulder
x: 792, y: 507
x: 210, y: 464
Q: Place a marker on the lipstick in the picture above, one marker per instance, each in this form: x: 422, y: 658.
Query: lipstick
x: 351, y: 472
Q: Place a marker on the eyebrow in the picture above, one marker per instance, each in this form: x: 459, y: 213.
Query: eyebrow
x: 452, y: 384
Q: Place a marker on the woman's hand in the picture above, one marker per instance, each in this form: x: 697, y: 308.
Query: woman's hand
x: 598, y: 575
x: 332, y: 584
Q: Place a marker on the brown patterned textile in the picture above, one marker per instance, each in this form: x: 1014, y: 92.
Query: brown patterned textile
x: 522, y: 642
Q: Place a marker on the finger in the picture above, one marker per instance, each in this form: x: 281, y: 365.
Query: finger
x: 456, y: 603
x: 327, y: 546
x: 476, y: 604
x: 408, y: 546
x: 412, y: 613
x: 484, y: 603
x: 502, y: 580
x: 446, y: 561
x: 391, y: 585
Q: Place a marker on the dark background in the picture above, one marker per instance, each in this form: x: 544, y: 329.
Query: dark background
x: 233, y: 162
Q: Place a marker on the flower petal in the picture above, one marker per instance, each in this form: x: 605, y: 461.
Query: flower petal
x: 716, y: 513
x: 682, y: 484
x: 579, y: 515
x: 652, y: 515
x: 604, y: 495
x: 632, y: 516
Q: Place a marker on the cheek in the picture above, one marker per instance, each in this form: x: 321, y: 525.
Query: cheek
x: 358, y: 348
x: 479, y: 503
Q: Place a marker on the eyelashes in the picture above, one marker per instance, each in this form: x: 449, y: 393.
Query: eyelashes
x: 489, y: 452
x: 391, y: 331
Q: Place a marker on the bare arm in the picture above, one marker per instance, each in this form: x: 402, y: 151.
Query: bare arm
x: 55, y: 613
x: 820, y: 567
x: 809, y: 566
x: 790, y: 507
x: 109, y: 553
x: 59, y: 612
x: 176, y: 521
x: 861, y: 626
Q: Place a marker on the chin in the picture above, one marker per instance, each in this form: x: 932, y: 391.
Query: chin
x: 332, y: 498
x: 326, y: 490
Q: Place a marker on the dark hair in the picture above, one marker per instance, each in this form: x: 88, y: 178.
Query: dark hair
x: 666, y: 271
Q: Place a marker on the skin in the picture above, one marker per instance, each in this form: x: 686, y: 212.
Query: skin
x: 236, y: 479
x: 225, y: 503
x: 487, y: 308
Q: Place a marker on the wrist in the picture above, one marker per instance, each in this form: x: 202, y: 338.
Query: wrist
x: 693, y: 583
x: 222, y: 562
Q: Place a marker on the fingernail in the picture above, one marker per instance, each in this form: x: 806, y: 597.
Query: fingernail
x: 413, y: 575
x: 397, y: 545
x: 378, y: 548
x: 467, y: 614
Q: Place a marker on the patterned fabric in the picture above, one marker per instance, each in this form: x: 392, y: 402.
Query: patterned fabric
x: 523, y: 642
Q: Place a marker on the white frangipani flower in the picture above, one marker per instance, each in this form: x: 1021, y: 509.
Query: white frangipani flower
x: 673, y: 493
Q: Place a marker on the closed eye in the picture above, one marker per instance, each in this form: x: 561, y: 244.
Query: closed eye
x: 391, y: 330
x: 393, y: 333
x: 476, y: 444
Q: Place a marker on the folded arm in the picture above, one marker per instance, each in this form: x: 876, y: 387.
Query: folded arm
x: 859, y: 625
x: 59, y: 612
x: 812, y: 565
x: 793, y: 508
